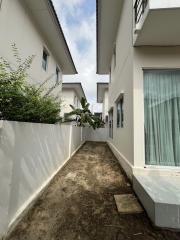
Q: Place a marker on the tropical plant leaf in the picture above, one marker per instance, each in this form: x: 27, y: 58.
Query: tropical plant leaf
x: 84, y: 116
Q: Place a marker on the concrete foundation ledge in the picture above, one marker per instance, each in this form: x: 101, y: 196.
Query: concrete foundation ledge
x: 160, y: 196
x: 125, y: 163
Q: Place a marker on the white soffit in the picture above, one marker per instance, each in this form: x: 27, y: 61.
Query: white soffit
x: 108, y: 17
x: 44, y: 15
x: 160, y: 28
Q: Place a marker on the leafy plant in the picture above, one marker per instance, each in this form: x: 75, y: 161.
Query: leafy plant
x: 83, y: 116
x: 21, y: 101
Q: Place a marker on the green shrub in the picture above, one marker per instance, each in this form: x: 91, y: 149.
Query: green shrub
x: 21, y: 101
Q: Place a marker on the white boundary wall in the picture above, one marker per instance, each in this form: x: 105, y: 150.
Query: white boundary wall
x: 98, y: 135
x: 30, y: 155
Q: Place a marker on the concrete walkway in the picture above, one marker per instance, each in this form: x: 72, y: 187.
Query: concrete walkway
x: 79, y: 204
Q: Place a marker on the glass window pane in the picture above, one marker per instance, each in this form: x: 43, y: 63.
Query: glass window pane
x: 57, y: 75
x: 162, y: 117
x: 44, y: 60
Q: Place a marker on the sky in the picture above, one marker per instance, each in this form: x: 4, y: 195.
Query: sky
x: 78, y: 21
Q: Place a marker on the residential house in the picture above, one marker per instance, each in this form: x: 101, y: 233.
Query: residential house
x: 102, y: 97
x: 72, y: 93
x: 34, y: 28
x: 138, y: 45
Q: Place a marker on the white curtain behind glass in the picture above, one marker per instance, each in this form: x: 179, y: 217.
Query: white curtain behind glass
x: 162, y: 117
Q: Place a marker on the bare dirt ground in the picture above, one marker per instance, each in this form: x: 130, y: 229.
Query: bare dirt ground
x: 79, y: 204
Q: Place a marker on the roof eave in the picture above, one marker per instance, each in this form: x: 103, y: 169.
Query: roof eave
x: 113, y: 7
x: 62, y: 34
x: 48, y: 25
x: 75, y: 83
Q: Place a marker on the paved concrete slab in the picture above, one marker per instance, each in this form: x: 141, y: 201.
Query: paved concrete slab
x: 127, y: 204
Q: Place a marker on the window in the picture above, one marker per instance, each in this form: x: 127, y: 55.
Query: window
x: 114, y: 56
x: 162, y: 117
x: 57, y: 75
x: 45, y: 59
x: 106, y: 119
x: 111, y: 123
x: 110, y: 75
x: 0, y: 4
x: 120, y: 111
x: 66, y: 116
x: 98, y: 115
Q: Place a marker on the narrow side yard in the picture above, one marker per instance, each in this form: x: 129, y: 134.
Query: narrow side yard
x: 79, y: 204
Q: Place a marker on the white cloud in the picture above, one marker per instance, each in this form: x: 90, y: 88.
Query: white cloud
x: 80, y: 32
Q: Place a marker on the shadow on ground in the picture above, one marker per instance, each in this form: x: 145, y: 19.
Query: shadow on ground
x: 79, y: 204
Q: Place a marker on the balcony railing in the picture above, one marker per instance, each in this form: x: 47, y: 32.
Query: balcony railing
x: 139, y: 8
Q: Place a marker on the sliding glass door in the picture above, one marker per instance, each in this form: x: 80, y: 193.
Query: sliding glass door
x: 162, y: 117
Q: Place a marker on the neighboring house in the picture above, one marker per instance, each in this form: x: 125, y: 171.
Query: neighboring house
x: 138, y: 45
x: 35, y: 29
x: 71, y: 95
x: 102, y: 97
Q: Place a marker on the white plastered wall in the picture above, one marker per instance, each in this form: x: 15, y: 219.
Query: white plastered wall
x: 30, y: 155
x: 68, y: 97
x: 98, y: 135
x: 127, y: 77
x: 122, y: 81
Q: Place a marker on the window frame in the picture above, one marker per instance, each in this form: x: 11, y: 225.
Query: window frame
x: 106, y: 119
x: 146, y: 164
x: 110, y: 120
x: 114, y: 56
x: 57, y: 74
x: 1, y: 1
x: 45, y: 61
x: 110, y: 76
x: 120, y: 111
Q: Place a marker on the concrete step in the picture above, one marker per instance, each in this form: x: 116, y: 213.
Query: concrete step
x: 160, y: 196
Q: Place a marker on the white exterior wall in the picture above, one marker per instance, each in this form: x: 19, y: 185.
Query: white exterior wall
x: 105, y: 106
x: 127, y: 77
x: 17, y: 26
x: 77, y: 138
x: 149, y: 58
x: 122, y: 81
x: 31, y: 154
x: 68, y: 97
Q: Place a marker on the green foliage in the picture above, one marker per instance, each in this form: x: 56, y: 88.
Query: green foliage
x: 84, y: 117
x: 20, y: 101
